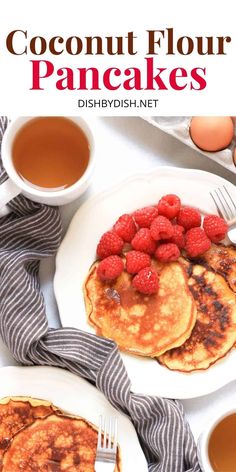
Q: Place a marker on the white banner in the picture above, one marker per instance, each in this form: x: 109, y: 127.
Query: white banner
x: 117, y: 58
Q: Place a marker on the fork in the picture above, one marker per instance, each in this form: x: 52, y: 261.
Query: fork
x: 226, y: 208
x: 107, y: 445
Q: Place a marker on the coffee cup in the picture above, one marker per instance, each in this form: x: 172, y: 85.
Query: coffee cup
x: 216, y: 449
x: 16, y: 184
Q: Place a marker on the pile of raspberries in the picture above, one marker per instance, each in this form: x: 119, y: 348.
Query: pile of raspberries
x: 161, y: 231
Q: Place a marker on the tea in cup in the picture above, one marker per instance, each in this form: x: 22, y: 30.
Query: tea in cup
x: 48, y: 159
x: 216, y: 445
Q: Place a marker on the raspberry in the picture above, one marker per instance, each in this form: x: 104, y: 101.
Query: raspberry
x: 110, y: 268
x: 167, y: 252
x: 197, y: 242
x: 145, y: 216
x: 215, y: 228
x: 169, y: 206
x: 125, y: 227
x: 146, y: 281
x: 161, y: 228
x: 136, y: 260
x: 143, y: 241
x: 178, y: 236
x: 109, y: 244
x: 189, y: 217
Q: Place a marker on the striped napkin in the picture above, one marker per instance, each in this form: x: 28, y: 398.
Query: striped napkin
x: 29, y: 233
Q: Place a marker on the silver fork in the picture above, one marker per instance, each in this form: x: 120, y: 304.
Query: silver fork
x: 226, y: 208
x: 107, y: 445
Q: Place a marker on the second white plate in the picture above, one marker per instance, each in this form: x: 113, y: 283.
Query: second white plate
x: 77, y: 397
x: 77, y: 253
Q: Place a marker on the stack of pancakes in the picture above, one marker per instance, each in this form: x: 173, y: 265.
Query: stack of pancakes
x: 36, y: 436
x: 188, y: 325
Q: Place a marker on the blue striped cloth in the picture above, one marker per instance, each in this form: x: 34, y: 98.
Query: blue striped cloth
x: 28, y: 234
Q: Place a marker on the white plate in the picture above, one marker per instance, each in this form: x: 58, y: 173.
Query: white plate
x: 77, y: 253
x: 76, y: 396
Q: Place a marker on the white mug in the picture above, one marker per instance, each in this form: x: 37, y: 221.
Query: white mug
x: 15, y: 185
x: 203, y: 441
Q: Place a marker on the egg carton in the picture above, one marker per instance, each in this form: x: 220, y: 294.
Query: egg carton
x: 178, y: 126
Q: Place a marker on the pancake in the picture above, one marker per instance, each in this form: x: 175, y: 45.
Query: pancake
x: 214, y: 333
x: 222, y: 259
x: 54, y: 444
x: 15, y: 414
x: 146, y: 325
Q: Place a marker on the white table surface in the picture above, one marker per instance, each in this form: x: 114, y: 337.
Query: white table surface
x: 125, y: 145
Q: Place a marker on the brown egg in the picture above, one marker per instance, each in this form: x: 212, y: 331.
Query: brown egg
x: 211, y: 133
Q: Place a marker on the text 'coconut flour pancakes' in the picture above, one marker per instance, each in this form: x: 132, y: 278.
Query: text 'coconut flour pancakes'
x: 146, y: 325
x: 43, y: 438
x: 194, y: 310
